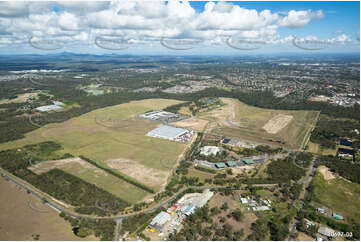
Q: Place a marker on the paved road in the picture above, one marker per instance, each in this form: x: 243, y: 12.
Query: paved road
x: 117, y: 232
x: 147, y: 210
x: 305, y: 181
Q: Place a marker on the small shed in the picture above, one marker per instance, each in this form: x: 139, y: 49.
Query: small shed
x: 220, y: 165
x: 226, y: 141
x: 231, y: 164
x: 248, y: 161
x: 337, y: 216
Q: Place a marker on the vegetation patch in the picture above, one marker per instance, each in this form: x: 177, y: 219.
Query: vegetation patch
x: 57, y: 183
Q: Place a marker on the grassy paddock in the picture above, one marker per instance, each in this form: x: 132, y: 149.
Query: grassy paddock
x: 110, y: 133
x: 237, y: 119
x: 338, y: 194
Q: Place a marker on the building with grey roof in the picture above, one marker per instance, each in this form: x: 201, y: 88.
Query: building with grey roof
x: 170, y: 133
x: 159, y: 220
x: 56, y: 106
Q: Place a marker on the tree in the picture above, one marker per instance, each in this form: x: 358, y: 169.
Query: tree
x: 237, y: 215
x: 82, y: 233
x: 224, y: 206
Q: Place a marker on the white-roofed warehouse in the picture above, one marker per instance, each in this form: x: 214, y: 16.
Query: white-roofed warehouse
x: 170, y: 133
x: 159, y: 220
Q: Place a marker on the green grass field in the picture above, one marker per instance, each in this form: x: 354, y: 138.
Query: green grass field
x: 98, y: 177
x: 339, y: 195
x: 111, y: 133
x: 250, y: 121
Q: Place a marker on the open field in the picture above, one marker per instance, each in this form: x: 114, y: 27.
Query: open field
x: 237, y: 119
x: 21, y: 98
x: 23, y: 216
x: 316, y: 149
x: 112, y: 133
x: 146, y: 175
x: 94, y: 175
x: 338, y: 194
x: 193, y: 123
x: 278, y: 122
x: 202, y: 175
x: 304, y: 237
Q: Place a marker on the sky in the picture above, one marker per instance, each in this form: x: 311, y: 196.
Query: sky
x: 179, y: 27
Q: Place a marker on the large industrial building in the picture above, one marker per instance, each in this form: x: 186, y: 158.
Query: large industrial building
x: 56, y: 106
x: 159, y: 114
x: 159, y: 220
x: 170, y: 221
x: 171, y: 133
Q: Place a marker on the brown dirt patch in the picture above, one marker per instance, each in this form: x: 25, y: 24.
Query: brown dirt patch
x: 143, y: 174
x: 304, y: 237
x: 18, y: 221
x: 327, y: 174
x: 46, y: 166
x: 193, y: 123
x: 225, y: 114
x: 278, y: 122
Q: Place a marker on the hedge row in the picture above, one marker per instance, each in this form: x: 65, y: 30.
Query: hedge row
x: 121, y: 176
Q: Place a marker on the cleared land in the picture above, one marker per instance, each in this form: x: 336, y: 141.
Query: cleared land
x: 239, y: 120
x: 23, y: 216
x: 21, y: 98
x: 277, y: 123
x: 148, y: 176
x: 315, y: 148
x: 338, y: 194
x: 112, y: 133
x: 193, y: 123
x: 94, y: 175
x: 304, y: 237
x: 327, y: 174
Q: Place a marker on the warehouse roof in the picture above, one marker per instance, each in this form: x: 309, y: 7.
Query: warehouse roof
x: 231, y: 164
x: 345, y: 151
x: 220, y: 165
x: 248, y: 161
x: 160, y: 219
x: 166, y: 131
x: 345, y: 142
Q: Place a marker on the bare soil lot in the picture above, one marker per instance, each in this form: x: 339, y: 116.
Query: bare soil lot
x: 20, y: 220
x: 48, y: 165
x: 146, y: 175
x: 278, y: 122
x: 327, y: 174
x: 193, y: 123
x: 290, y: 128
x: 96, y: 176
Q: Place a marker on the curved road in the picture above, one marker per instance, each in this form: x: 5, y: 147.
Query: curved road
x: 147, y: 210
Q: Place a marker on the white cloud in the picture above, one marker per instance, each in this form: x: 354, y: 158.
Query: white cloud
x: 296, y: 19
x: 146, y: 22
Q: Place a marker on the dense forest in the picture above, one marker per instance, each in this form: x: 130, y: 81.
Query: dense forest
x: 101, y: 228
x: 283, y: 170
x: 329, y: 130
